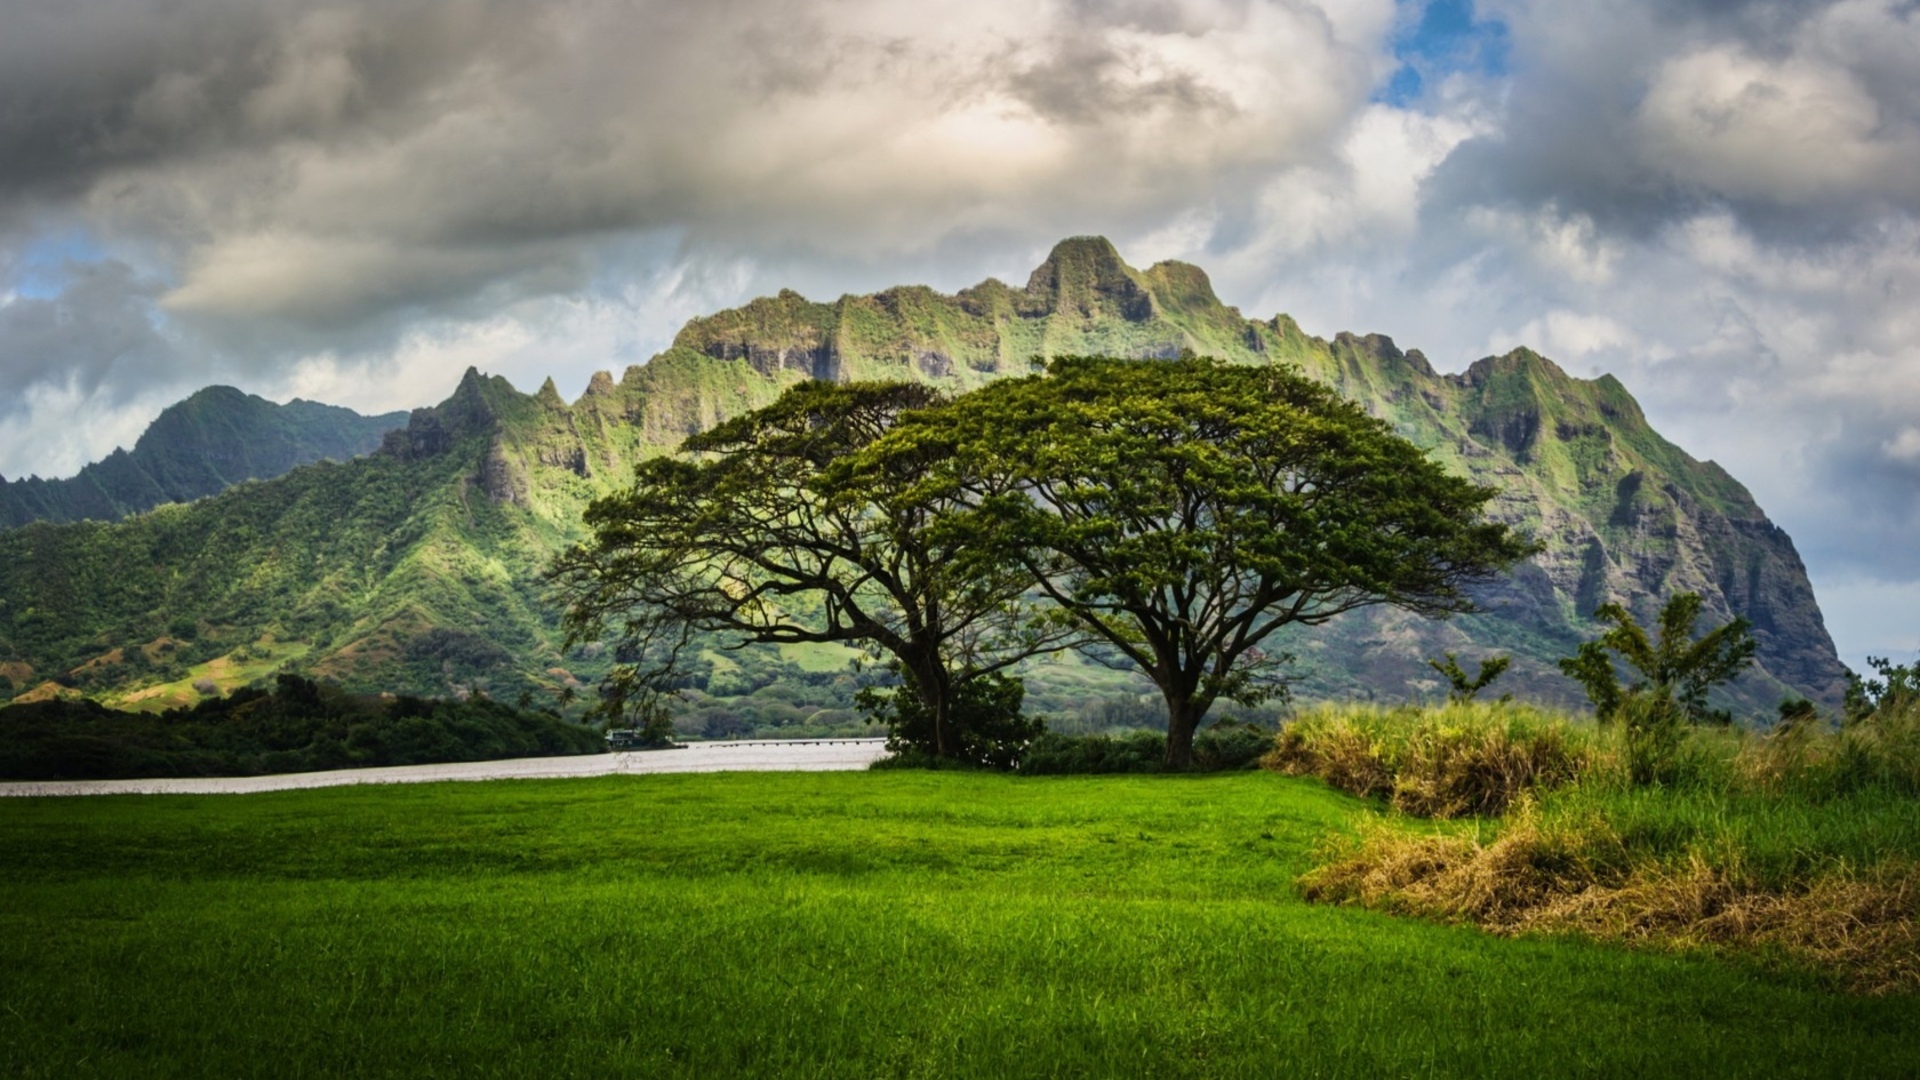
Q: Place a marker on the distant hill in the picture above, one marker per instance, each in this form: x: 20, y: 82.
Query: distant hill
x: 416, y: 568
x: 205, y: 444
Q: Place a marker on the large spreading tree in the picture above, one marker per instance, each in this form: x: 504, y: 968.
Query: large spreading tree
x: 753, y: 534
x: 1184, y: 511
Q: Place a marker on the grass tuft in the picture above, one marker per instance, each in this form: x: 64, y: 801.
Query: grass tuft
x: 1448, y: 762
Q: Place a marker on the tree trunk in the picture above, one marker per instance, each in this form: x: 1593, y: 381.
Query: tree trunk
x: 942, y: 745
x: 1183, y: 718
x: 936, y: 695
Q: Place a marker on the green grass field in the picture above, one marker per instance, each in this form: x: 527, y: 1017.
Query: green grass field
x: 856, y: 924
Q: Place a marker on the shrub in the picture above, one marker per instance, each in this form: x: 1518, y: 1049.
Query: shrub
x: 1463, y: 688
x: 1224, y: 746
x: 985, y: 720
x: 1897, y: 688
x: 1229, y: 745
x: 1139, y: 752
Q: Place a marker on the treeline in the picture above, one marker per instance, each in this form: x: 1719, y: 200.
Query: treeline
x: 298, y: 726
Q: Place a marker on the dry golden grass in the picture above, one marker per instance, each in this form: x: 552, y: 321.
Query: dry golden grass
x: 1801, y: 844
x: 1446, y: 762
x: 1582, y: 879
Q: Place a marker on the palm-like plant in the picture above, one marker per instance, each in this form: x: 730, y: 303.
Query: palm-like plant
x: 1675, y: 670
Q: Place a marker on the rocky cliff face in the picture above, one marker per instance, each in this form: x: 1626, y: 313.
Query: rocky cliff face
x: 205, y: 444
x: 1625, y: 515
x: 438, y: 538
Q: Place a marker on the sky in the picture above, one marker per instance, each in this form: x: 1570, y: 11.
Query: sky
x: 1718, y: 202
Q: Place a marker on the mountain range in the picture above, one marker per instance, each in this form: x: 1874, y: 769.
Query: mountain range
x: 416, y: 568
x: 198, y: 447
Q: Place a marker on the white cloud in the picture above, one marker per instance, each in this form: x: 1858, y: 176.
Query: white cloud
x: 1905, y: 446
x: 1567, y: 336
x: 1564, y: 245
x: 1727, y: 122
x: 861, y: 128
x: 60, y: 427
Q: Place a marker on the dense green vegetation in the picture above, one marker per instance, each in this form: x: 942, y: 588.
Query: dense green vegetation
x: 299, y: 726
x: 1223, y: 747
x: 862, y: 924
x: 1179, y: 512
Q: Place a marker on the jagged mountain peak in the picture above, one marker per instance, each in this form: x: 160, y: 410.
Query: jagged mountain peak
x: 1182, y: 285
x: 1085, y: 277
x: 218, y: 392
x: 1627, y: 514
x: 1078, y: 257
x: 476, y: 407
x: 1378, y: 347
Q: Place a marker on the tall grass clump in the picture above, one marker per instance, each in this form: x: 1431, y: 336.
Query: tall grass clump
x: 1456, y: 760
x: 1878, y: 750
x: 1802, y: 843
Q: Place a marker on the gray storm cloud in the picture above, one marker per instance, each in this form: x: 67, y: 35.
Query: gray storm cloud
x: 326, y: 164
x: 1720, y: 202
x: 94, y: 332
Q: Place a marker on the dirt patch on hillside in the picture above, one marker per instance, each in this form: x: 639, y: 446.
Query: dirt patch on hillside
x: 47, y: 691
x: 111, y: 658
x: 158, y: 646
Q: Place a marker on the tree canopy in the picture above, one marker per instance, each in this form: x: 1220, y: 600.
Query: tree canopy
x: 1184, y: 511
x: 751, y: 534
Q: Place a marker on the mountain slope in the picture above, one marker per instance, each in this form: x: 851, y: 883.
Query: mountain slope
x: 416, y: 568
x: 207, y: 443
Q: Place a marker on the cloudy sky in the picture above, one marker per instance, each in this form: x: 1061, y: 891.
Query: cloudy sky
x: 351, y: 201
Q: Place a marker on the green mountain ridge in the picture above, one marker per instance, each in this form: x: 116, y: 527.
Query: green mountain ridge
x: 416, y: 568
x: 205, y: 444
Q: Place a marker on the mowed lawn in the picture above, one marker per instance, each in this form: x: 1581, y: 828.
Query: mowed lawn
x: 849, y: 924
